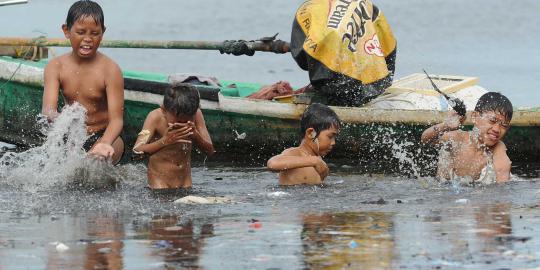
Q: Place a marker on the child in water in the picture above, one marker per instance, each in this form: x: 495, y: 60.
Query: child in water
x: 474, y: 153
x: 304, y: 164
x: 168, y: 134
x: 90, y: 78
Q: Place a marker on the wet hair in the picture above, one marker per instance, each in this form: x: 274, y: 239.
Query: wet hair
x: 181, y: 99
x: 319, y: 117
x: 495, y: 102
x: 85, y: 8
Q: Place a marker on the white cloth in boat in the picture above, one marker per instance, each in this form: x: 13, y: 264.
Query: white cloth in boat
x: 411, y: 100
x: 191, y: 78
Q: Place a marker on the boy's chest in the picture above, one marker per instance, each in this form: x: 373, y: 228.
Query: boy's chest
x: 469, y: 161
x: 82, y: 84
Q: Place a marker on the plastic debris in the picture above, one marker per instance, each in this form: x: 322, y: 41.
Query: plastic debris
x: 162, y: 244
x: 353, y: 244
x: 277, y: 194
x: 462, y: 201
x: 61, y: 247
x: 254, y: 223
x: 203, y: 200
x: 240, y: 136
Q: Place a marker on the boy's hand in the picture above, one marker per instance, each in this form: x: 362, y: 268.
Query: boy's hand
x: 194, y: 130
x: 102, y: 151
x: 177, y: 133
x: 453, y: 120
x: 321, y: 168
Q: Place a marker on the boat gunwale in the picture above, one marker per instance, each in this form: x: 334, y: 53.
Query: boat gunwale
x: 31, y: 73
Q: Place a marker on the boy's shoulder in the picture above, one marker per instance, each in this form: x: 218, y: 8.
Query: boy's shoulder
x: 155, y: 115
x: 455, y: 136
x: 293, y: 151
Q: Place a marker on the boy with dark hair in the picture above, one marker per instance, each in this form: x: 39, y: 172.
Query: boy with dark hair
x: 303, y: 164
x: 167, y: 136
x: 90, y: 78
x: 477, y: 153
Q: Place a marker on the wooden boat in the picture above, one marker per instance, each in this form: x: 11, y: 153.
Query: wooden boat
x: 247, y: 130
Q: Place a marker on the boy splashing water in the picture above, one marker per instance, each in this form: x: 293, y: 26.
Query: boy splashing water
x: 303, y: 164
x: 168, y: 134
x: 90, y: 78
x: 474, y: 153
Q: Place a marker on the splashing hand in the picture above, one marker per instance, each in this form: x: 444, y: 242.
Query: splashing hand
x: 453, y: 120
x: 102, y: 151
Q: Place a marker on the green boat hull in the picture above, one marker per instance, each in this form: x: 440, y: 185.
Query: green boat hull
x: 378, y: 146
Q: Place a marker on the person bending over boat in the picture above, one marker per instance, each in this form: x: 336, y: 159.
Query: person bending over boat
x: 304, y: 164
x: 90, y: 78
x: 167, y: 136
x: 479, y: 154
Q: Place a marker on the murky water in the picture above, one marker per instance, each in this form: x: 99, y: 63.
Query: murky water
x: 358, y: 221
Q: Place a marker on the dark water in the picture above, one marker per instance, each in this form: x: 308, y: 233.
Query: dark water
x: 357, y: 221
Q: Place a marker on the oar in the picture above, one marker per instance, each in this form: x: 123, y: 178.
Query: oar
x: 13, y: 2
x: 235, y: 47
x: 456, y: 103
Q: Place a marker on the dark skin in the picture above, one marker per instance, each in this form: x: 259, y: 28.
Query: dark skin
x: 168, y: 140
x: 304, y: 164
x: 92, y: 79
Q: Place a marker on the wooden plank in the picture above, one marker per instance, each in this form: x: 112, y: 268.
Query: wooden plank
x: 419, y: 83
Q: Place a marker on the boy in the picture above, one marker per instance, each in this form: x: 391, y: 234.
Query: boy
x: 90, y: 78
x: 167, y: 136
x: 474, y: 153
x: 303, y: 164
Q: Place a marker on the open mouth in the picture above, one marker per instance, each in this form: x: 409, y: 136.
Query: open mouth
x: 85, y: 49
x: 492, y: 137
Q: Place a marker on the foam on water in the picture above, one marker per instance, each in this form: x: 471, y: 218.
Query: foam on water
x: 61, y: 160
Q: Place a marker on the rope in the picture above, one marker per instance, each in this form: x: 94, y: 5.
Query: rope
x: 236, y: 47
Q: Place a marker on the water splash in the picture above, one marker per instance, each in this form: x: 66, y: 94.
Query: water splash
x: 61, y: 160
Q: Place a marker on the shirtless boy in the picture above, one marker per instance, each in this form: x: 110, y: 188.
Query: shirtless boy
x: 304, y: 164
x: 90, y: 78
x: 471, y: 153
x: 167, y: 136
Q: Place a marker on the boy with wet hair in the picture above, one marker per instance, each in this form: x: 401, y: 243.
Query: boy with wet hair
x: 167, y: 136
x: 90, y: 78
x: 304, y: 164
x: 479, y: 155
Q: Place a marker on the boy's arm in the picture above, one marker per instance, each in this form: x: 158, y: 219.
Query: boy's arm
x: 115, y: 105
x: 501, y: 163
x: 285, y: 161
x: 201, y: 135
x: 434, y: 134
x: 141, y: 145
x: 49, y: 106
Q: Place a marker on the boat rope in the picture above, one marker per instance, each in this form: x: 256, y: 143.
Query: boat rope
x: 236, y: 47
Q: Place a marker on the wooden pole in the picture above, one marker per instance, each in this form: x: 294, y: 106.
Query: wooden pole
x: 236, y: 47
x: 13, y: 2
